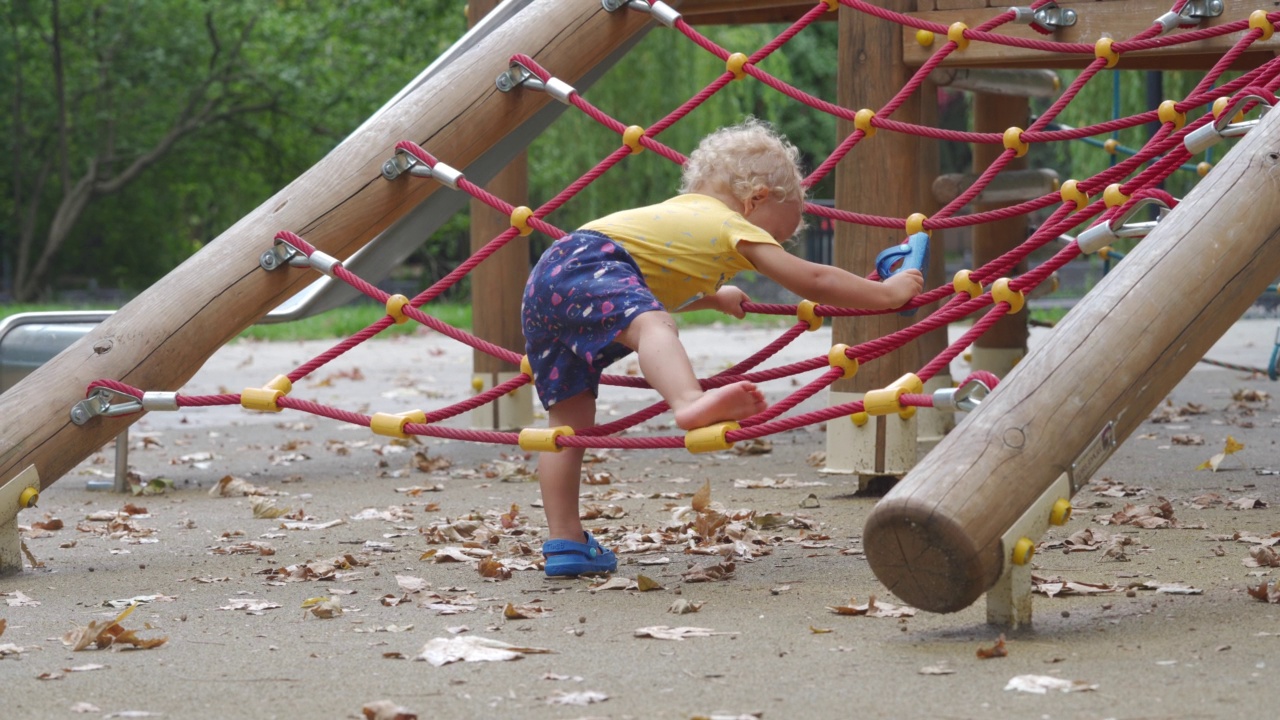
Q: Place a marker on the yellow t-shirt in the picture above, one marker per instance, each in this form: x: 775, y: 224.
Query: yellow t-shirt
x: 686, y: 247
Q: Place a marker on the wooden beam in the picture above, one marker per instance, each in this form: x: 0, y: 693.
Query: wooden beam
x: 935, y: 539
x: 1119, y: 19
x: 159, y: 340
x: 746, y: 12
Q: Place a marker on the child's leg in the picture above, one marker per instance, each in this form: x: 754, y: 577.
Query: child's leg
x: 665, y: 364
x: 559, y: 474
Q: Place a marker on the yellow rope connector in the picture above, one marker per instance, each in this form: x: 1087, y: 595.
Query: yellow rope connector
x: 915, y: 223
x: 1102, y: 49
x: 1203, y: 168
x: 525, y: 368
x: 924, y: 38
x: 395, y: 308
x: 1001, y: 292
x: 832, y: 5
x: 735, y: 64
x: 964, y: 283
x: 477, y: 383
x: 712, y: 438
x: 1220, y: 106
x: 264, y: 399
x: 1111, y: 146
x: 1022, y: 551
x: 543, y: 439
x: 838, y: 357
x: 1258, y: 20
x: 955, y: 34
x: 1061, y: 512
x: 862, y: 121
x: 393, y: 425
x: 805, y: 312
x: 1071, y: 192
x: 1105, y: 253
x: 1113, y: 196
x: 520, y: 219
x: 860, y: 419
x: 28, y: 499
x: 1013, y: 141
x: 888, y: 400
x: 1168, y: 113
x: 631, y: 138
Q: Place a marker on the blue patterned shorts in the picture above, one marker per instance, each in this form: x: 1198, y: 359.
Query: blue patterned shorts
x: 583, y: 292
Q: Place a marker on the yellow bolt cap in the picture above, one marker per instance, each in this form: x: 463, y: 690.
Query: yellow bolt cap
x: 1061, y: 512
x: 28, y: 498
x: 1022, y: 551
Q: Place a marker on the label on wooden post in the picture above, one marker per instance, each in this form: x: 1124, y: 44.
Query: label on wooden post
x: 1096, y: 453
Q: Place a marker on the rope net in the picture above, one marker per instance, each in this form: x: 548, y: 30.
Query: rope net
x: 1102, y: 203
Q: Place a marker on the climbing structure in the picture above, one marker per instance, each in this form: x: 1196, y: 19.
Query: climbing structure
x: 1105, y: 205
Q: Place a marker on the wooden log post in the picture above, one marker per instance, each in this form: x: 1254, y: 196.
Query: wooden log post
x: 1005, y: 344
x: 931, y: 425
x: 160, y: 339
x: 935, y: 540
x: 496, y: 288
x: 878, y: 177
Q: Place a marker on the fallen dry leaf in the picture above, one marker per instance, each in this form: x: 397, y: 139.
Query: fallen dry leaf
x: 583, y: 697
x: 663, y: 632
x: 645, y: 583
x: 387, y: 710
x: 472, y: 648
x: 998, y: 650
x: 1267, y: 592
x: 1042, y: 684
x: 702, y: 499
x: 231, y: 486
x: 523, y: 612
x: 709, y: 573
x: 684, y: 607
x: 108, y: 634
x: 325, y: 608
x: 873, y: 609
x: 1231, y: 447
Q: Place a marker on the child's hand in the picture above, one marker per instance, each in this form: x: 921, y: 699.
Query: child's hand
x: 903, y: 286
x: 729, y: 299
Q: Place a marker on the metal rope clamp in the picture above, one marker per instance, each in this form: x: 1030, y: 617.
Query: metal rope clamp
x: 518, y: 75
x: 965, y: 398
x: 1049, y: 16
x: 1207, y: 136
x: 281, y: 254
x: 113, y: 403
x: 1193, y: 13
x: 1103, y: 234
x: 661, y: 11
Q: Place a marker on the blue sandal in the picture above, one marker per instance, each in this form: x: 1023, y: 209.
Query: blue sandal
x: 566, y: 558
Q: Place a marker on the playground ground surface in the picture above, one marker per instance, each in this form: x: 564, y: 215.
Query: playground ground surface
x: 240, y: 643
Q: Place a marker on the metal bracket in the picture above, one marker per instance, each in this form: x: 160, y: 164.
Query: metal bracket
x: 965, y: 398
x: 281, y: 254
x: 1209, y: 135
x: 105, y: 402
x: 661, y: 11
x: 1196, y: 11
x: 1049, y: 16
x: 1009, y: 599
x: 518, y: 75
x: 1103, y: 234
x: 1094, y: 454
x: 16, y: 494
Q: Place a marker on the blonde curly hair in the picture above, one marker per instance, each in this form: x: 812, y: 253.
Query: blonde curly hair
x: 740, y: 160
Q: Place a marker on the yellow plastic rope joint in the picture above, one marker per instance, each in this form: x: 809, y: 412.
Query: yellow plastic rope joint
x: 735, y: 63
x: 1013, y: 141
x: 915, y: 223
x: 964, y: 283
x: 1168, y: 113
x: 806, y: 312
x: 1111, y: 146
x: 832, y: 5
x: 1220, y: 106
x: 712, y: 438
x: 955, y: 34
x: 1061, y: 512
x: 1105, y: 253
x: 1001, y: 292
x: 860, y: 419
x: 631, y: 138
x: 525, y: 368
x: 28, y: 499
x: 889, y: 399
x: 1102, y: 49
x: 395, y: 308
x: 543, y: 439
x: 1203, y: 168
x: 264, y: 399
x: 1258, y: 20
x: 839, y: 357
x: 1071, y: 192
x: 924, y: 38
x: 1022, y: 551
x: 520, y: 219
x: 393, y: 425
x: 862, y: 121
x: 1112, y: 196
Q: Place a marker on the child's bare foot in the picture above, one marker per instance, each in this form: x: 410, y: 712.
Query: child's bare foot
x: 731, y: 402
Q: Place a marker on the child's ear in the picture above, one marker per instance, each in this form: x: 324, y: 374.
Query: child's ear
x: 757, y: 199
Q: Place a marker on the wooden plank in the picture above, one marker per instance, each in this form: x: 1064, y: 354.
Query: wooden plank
x: 1120, y: 19
x: 747, y: 12
x: 935, y: 539
x: 158, y: 341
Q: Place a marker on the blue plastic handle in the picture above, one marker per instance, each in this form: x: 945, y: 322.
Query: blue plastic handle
x: 913, y: 254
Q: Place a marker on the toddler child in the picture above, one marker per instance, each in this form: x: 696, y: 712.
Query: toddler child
x: 609, y: 288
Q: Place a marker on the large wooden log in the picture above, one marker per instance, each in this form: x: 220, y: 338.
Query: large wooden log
x: 158, y: 341
x: 935, y: 539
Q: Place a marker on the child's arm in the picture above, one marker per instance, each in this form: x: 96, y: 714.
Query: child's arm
x: 827, y: 285
x: 728, y: 300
